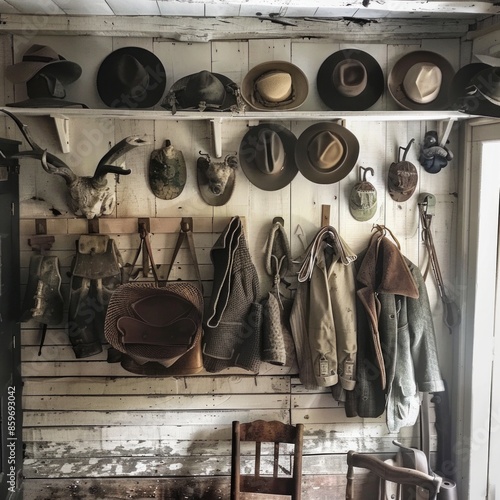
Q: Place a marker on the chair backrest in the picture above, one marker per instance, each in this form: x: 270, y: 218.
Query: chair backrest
x: 260, y: 432
x: 395, y: 474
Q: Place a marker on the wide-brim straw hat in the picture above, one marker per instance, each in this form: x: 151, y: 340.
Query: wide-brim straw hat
x: 131, y: 77
x: 432, y: 69
x: 326, y: 152
x: 267, y: 156
x: 350, y: 80
x: 43, y: 58
x: 274, y: 78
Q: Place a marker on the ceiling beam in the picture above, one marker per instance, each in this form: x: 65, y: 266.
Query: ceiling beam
x: 201, y: 29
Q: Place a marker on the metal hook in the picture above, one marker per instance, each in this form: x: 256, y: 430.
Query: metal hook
x: 367, y: 169
x: 206, y: 155
x: 405, y: 150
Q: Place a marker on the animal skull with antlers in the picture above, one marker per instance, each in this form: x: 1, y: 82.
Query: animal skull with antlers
x: 88, y: 196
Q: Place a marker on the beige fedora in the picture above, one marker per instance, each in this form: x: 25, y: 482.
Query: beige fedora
x: 275, y: 85
x: 326, y: 152
x: 421, y: 80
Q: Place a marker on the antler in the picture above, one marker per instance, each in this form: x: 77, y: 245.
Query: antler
x: 121, y: 148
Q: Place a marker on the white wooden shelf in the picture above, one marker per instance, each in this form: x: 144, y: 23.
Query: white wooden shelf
x: 61, y: 117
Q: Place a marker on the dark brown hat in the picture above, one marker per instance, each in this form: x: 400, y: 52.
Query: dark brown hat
x: 421, y: 80
x: 42, y: 58
x: 274, y: 86
x: 202, y: 90
x: 326, y: 152
x: 403, y: 177
x: 350, y: 80
x: 267, y: 156
x: 131, y: 77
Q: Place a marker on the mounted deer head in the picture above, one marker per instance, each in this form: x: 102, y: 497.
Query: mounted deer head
x: 87, y: 196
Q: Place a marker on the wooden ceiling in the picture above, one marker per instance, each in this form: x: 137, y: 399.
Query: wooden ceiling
x: 317, y: 9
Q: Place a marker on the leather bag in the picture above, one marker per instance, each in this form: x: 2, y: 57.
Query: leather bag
x: 156, y: 326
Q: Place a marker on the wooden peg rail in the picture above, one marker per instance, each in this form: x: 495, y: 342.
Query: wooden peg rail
x: 122, y: 225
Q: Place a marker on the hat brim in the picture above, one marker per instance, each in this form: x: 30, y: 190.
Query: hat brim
x: 65, y: 71
x: 299, y: 82
x: 306, y: 167
x: 46, y: 102
x: 334, y: 99
x: 109, y: 92
x: 402, y: 66
x: 462, y: 79
x: 206, y: 193
x: 178, y: 87
x: 268, y: 182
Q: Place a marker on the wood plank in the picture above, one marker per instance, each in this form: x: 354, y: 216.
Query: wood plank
x: 191, y: 30
x: 314, y: 487
x: 154, y: 402
x: 158, y: 385
x: 138, y: 418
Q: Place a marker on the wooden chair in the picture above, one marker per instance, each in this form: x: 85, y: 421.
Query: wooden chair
x: 260, y: 432
x: 400, y: 475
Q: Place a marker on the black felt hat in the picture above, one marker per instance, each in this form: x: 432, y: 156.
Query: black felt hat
x: 131, y: 77
x: 350, y: 80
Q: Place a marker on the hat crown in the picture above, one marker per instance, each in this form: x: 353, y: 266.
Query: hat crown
x: 270, y: 153
x: 350, y: 77
x: 274, y: 86
x: 403, y: 178
x: 325, y: 150
x: 41, y: 53
x: 422, y: 82
x: 205, y: 86
x: 130, y: 72
x: 488, y: 83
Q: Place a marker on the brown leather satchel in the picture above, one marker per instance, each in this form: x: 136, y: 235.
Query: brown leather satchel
x: 156, y: 326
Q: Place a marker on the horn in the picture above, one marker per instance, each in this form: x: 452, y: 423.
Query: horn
x: 102, y: 170
x: 119, y: 149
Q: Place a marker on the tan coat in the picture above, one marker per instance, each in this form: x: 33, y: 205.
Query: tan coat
x: 323, y: 321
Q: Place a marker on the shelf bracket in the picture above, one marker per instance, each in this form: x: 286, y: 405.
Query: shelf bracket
x: 444, y: 130
x: 217, y: 136
x: 62, y: 128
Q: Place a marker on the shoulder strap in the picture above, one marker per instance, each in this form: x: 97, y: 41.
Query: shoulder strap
x: 186, y: 233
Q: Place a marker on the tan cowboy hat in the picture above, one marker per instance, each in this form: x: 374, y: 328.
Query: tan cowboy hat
x: 326, y: 152
x: 267, y: 156
x: 275, y: 85
x: 421, y: 80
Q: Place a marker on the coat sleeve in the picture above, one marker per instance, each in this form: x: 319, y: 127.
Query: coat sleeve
x: 423, y: 338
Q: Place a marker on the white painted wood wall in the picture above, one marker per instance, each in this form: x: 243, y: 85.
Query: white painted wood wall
x: 86, y: 418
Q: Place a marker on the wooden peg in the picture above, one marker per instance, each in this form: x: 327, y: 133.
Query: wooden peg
x: 325, y: 215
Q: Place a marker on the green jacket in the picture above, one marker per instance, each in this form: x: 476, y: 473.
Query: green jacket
x: 397, y: 354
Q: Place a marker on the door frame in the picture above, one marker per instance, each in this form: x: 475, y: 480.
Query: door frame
x: 475, y: 418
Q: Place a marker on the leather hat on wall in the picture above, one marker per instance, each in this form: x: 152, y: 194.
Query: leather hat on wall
x: 421, y: 80
x: 275, y: 86
x: 350, y: 80
x: 326, y: 152
x: 131, y: 77
x: 267, y: 156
